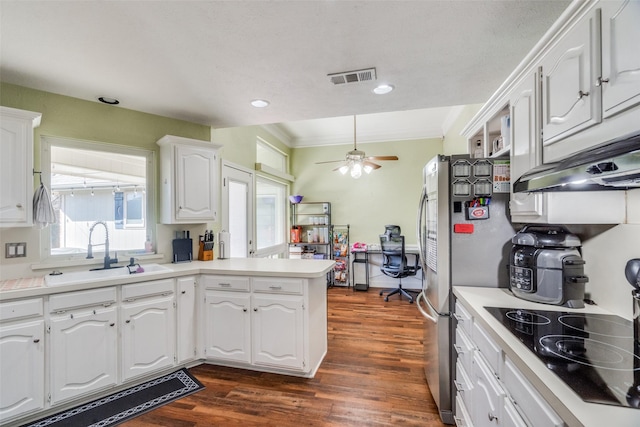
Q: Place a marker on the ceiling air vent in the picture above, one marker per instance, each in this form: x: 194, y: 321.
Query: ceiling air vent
x: 353, y: 76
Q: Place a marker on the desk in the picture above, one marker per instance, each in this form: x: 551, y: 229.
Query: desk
x: 362, y: 257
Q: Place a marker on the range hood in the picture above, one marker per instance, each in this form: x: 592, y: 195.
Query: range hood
x: 614, y: 165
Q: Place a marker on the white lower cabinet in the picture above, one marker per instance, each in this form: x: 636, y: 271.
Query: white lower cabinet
x: 186, y: 319
x: 83, y: 343
x: 22, y: 355
x: 490, y: 390
x: 488, y: 395
x: 228, y: 326
x: 277, y: 326
x: 271, y: 324
x: 148, y: 328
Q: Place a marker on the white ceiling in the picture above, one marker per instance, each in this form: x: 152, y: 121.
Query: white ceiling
x: 204, y: 61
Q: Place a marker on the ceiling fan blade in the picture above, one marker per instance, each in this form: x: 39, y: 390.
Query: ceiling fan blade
x: 371, y: 165
x: 329, y: 161
x: 382, y: 158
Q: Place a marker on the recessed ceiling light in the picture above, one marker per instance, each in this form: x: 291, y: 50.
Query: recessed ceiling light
x: 382, y: 89
x: 110, y: 101
x: 259, y: 103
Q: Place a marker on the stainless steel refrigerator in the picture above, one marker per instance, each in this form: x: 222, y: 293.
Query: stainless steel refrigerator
x: 464, y: 236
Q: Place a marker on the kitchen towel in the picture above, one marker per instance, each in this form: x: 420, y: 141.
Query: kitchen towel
x: 224, y: 240
x: 43, y: 212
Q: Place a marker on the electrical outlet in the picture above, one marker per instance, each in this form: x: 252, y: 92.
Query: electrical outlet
x: 15, y: 250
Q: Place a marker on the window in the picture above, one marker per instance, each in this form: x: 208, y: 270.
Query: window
x: 271, y: 208
x: 93, y: 182
x: 270, y: 156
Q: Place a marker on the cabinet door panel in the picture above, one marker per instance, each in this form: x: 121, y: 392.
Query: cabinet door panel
x: 83, y: 353
x: 488, y: 397
x: 278, y: 325
x: 228, y: 326
x: 186, y: 302
x: 148, y: 336
x: 570, y: 101
x: 14, y: 206
x: 195, y: 192
x: 525, y: 148
x: 22, y: 355
x: 620, y: 58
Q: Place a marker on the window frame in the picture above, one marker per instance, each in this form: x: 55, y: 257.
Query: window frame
x: 280, y: 250
x: 150, y: 190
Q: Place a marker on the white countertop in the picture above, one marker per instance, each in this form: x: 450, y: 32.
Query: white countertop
x: 299, y: 268
x: 564, y: 401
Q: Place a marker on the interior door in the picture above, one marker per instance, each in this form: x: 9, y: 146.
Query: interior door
x: 237, y: 209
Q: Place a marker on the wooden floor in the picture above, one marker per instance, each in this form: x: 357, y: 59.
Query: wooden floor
x: 372, y: 376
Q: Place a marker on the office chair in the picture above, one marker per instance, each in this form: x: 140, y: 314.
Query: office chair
x: 394, y: 264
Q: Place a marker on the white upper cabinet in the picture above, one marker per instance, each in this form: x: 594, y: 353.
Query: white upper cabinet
x: 620, y: 56
x: 570, y: 99
x: 525, y: 148
x: 189, y: 180
x: 16, y: 166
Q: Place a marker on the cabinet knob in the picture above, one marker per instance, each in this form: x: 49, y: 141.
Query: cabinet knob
x: 244, y: 309
x: 19, y: 206
x: 582, y: 94
x: 600, y: 81
x: 112, y: 324
x: 255, y: 309
x: 492, y: 417
x: 183, y: 292
x: 127, y: 321
x: 36, y: 340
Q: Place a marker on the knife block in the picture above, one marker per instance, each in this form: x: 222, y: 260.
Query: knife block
x: 205, y: 253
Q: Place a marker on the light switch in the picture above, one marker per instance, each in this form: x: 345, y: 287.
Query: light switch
x: 15, y: 250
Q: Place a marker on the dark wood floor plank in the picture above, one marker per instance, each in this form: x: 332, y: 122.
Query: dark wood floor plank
x: 372, y: 376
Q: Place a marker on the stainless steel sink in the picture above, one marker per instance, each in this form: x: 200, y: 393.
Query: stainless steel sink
x: 75, y: 277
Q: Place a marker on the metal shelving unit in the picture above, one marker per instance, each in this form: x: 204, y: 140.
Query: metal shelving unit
x: 341, y: 255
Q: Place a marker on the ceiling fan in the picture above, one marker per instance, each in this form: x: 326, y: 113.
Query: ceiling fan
x: 356, y: 161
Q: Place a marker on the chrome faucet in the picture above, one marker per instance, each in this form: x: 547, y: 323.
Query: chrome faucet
x: 107, y: 260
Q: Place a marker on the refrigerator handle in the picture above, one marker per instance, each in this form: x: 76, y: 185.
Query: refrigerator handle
x: 423, y: 199
x: 422, y: 310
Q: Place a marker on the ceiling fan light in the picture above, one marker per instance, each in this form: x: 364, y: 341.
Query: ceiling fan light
x: 367, y: 168
x: 356, y: 171
x: 344, y: 169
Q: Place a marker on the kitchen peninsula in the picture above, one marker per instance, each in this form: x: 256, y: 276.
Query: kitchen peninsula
x: 262, y: 314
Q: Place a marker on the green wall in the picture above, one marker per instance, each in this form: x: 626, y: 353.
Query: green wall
x: 388, y: 195
x: 67, y: 117
x: 239, y: 144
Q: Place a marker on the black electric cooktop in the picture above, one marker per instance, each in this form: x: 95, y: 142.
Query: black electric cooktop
x: 594, y: 354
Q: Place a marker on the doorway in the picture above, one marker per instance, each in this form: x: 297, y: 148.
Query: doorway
x: 237, y: 209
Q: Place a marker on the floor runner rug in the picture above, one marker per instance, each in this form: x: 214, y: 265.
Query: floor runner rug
x: 126, y: 404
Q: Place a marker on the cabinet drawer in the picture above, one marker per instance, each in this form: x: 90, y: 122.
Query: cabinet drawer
x: 527, y: 399
x: 227, y: 283
x: 463, y: 384
x: 488, y: 348
x: 147, y: 289
x: 464, y: 318
x: 21, y: 309
x: 71, y: 300
x: 278, y: 285
x: 464, y: 347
